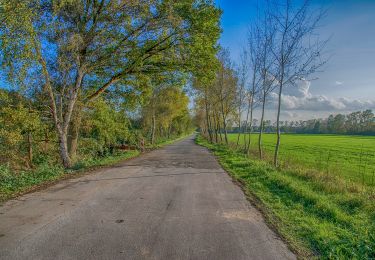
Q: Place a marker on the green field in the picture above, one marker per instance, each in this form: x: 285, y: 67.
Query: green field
x: 320, y: 215
x: 349, y: 157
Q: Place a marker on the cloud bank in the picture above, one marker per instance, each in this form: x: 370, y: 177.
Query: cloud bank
x: 299, y: 97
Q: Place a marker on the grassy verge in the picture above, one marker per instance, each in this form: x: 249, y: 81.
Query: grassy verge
x: 164, y: 142
x: 13, y: 184
x: 316, y: 218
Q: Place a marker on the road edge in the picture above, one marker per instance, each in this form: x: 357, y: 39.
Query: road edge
x: 85, y: 171
x: 269, y: 218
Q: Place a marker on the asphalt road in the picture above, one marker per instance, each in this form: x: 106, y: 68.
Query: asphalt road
x: 172, y: 203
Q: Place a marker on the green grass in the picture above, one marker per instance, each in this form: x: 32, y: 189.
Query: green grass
x: 349, y: 157
x: 14, y: 183
x: 318, y: 219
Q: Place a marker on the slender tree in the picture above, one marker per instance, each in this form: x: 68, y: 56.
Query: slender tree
x: 225, y: 88
x: 254, y: 39
x: 242, y: 72
x: 297, y: 50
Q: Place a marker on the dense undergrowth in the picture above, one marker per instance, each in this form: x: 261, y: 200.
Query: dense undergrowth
x: 317, y: 219
x: 14, y: 183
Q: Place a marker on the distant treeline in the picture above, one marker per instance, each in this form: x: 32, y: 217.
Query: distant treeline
x: 360, y: 123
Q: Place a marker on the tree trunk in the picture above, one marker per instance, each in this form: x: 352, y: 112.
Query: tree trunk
x: 74, y: 133
x: 224, y: 124
x: 169, y: 131
x: 209, y: 127
x: 218, y: 128
x: 251, y: 124
x: 30, y: 149
x: 61, y: 122
x: 239, y: 128
x: 215, y: 128
x: 246, y: 127
x: 276, y: 155
x: 220, y: 134
x: 153, y: 129
x: 207, y: 116
x: 64, y: 154
x: 261, y: 126
x: 63, y: 131
x: 225, y: 132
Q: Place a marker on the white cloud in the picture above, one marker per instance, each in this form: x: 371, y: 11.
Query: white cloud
x: 299, y: 97
x: 338, y: 83
x: 289, y: 114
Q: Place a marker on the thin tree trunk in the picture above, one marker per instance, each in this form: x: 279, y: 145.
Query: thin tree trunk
x: 153, y: 128
x: 222, y: 100
x: 251, y: 109
x: 63, y: 131
x: 209, y: 127
x: 276, y: 155
x: 251, y: 124
x: 224, y: 124
x: 218, y: 127
x: 239, y: 128
x: 207, y: 117
x: 246, y: 127
x: 30, y: 149
x: 215, y: 125
x: 261, y: 127
x: 64, y: 154
x: 74, y: 133
x: 169, y: 131
x: 225, y: 132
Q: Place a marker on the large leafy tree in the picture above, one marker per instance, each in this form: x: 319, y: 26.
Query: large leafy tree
x: 217, y: 99
x: 103, y: 126
x: 166, y: 106
x: 73, y: 51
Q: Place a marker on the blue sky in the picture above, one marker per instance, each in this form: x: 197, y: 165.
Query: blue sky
x: 348, y: 80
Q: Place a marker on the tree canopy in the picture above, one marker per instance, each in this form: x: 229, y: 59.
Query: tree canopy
x: 72, y: 52
x: 93, y: 45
